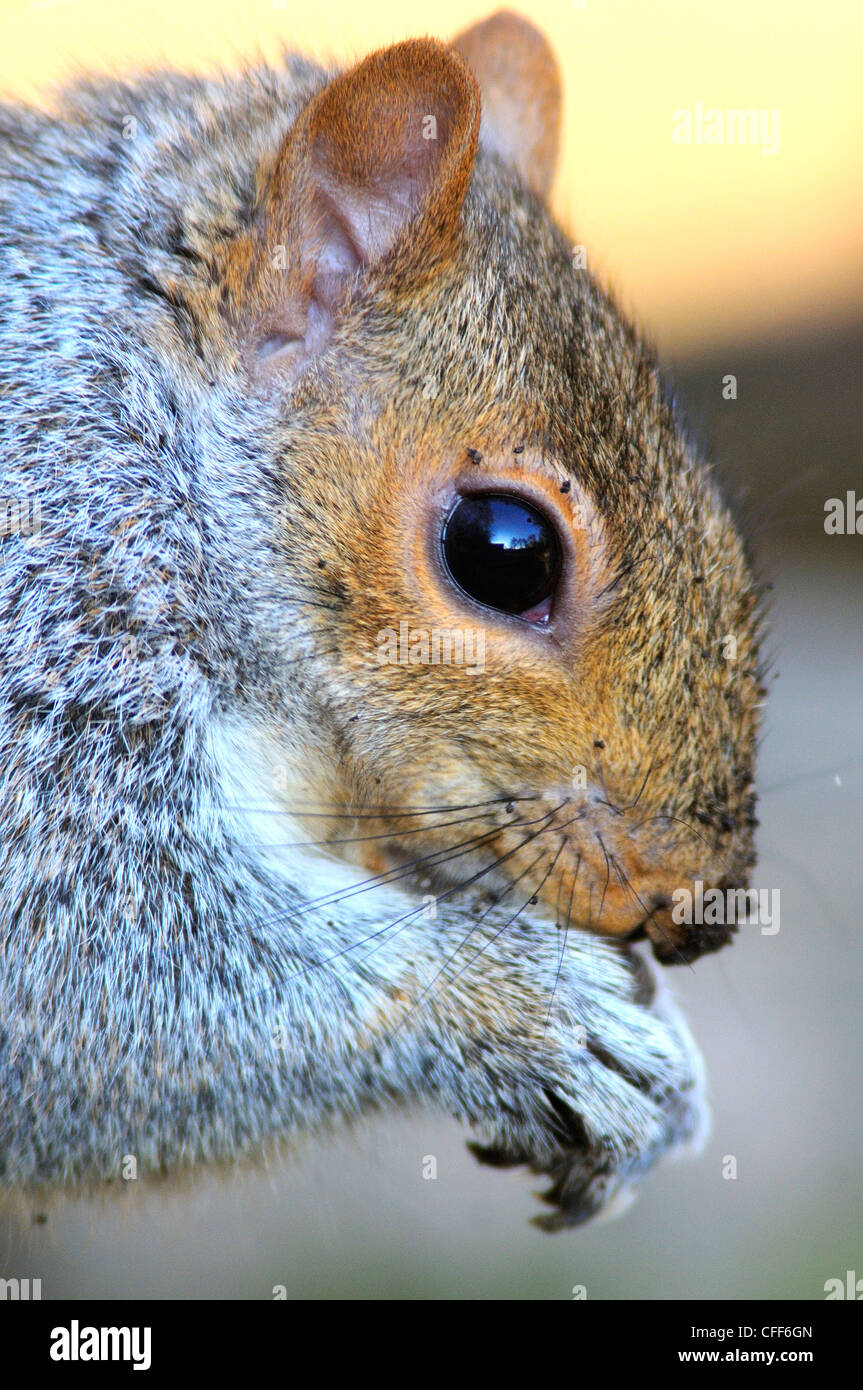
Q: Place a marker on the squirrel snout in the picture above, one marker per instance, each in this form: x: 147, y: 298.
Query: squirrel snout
x: 699, y: 917
x: 678, y: 942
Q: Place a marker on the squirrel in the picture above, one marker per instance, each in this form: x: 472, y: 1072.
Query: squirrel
x: 311, y: 400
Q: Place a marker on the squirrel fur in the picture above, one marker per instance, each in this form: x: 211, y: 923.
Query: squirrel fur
x: 253, y: 881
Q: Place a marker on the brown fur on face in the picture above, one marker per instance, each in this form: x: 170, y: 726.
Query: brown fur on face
x: 627, y: 692
x: 426, y: 333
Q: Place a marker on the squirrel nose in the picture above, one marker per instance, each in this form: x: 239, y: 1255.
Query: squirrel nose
x: 679, y: 943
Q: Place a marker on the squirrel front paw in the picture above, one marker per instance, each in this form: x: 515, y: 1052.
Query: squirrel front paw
x: 601, y: 1080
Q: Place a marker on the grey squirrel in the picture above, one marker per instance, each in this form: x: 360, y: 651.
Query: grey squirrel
x: 307, y: 392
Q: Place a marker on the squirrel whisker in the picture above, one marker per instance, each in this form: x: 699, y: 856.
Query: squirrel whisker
x: 475, y: 927
x: 407, y: 917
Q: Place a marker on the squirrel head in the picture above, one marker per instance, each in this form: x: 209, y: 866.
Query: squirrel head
x: 519, y: 633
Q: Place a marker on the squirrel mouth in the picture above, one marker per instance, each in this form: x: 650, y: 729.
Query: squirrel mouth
x: 673, y: 942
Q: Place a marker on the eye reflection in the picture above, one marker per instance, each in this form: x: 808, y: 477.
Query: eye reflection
x: 504, y: 553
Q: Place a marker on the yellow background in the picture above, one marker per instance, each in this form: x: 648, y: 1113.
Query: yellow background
x: 704, y: 243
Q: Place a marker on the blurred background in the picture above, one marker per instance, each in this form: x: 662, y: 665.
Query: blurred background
x: 739, y: 263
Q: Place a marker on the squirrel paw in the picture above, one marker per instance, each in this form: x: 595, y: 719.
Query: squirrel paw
x: 623, y: 1087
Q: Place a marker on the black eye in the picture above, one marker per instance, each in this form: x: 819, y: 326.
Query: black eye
x: 504, y: 553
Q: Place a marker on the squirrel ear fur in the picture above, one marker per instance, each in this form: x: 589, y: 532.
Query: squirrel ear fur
x: 376, y: 167
x: 521, y: 95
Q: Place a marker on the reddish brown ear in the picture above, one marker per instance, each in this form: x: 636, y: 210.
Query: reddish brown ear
x: 521, y: 95
x: 376, y: 166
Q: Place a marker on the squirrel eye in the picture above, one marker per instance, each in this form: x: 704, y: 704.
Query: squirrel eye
x: 503, y: 552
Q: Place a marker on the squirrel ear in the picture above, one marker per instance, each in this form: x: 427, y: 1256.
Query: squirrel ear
x: 521, y: 95
x: 375, y: 167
